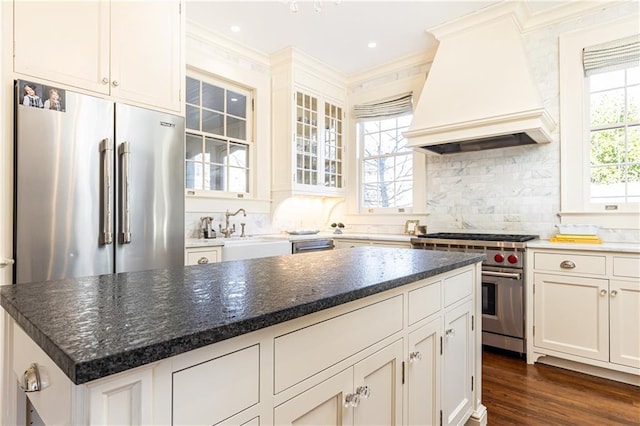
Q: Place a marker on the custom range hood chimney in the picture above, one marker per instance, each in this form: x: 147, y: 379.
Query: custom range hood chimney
x: 479, y: 93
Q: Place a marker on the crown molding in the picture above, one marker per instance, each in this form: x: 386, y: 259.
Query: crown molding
x: 293, y: 56
x: 571, y: 10
x: 412, y: 61
x: 202, y: 34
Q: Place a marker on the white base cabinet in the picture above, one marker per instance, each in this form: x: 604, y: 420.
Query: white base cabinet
x: 585, y: 309
x: 341, y: 243
x: 202, y: 255
x: 404, y: 356
x: 369, y: 393
x: 423, y: 375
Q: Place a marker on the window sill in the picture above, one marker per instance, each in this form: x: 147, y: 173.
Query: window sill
x: 609, y: 220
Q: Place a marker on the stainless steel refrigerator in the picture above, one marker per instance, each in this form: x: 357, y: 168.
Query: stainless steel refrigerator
x: 99, y: 186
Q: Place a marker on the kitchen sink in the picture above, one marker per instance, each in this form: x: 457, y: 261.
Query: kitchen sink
x: 239, y: 248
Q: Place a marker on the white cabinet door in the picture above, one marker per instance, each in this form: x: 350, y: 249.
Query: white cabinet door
x: 65, y: 42
x: 571, y: 315
x: 320, y: 405
x: 624, y: 310
x: 457, y: 402
x: 145, y: 52
x: 379, y: 377
x: 130, y: 50
x: 423, y: 375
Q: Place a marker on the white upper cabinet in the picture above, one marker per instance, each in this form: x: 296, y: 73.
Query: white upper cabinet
x: 308, y: 127
x: 128, y: 50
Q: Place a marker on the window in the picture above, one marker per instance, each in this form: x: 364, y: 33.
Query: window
x: 386, y: 163
x: 600, y: 125
x: 218, y: 136
x: 614, y: 135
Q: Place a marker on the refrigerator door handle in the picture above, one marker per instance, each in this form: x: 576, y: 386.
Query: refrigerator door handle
x: 124, y: 152
x: 107, y: 153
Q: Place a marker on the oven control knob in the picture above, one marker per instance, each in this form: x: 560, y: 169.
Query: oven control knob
x: 512, y: 258
x: 498, y: 258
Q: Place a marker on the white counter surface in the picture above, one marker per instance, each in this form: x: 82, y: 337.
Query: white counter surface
x: 608, y: 247
x: 195, y: 242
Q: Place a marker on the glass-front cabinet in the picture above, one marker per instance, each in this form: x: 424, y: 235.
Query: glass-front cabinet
x: 318, y: 152
x: 308, y: 128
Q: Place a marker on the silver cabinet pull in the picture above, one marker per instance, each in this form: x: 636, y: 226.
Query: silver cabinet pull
x: 203, y: 261
x: 567, y: 264
x: 603, y: 292
x: 31, y: 379
x: 6, y: 262
x: 351, y: 400
x: 415, y: 356
x: 107, y: 152
x: 115, y: 83
x: 124, y: 151
x: 614, y: 293
x: 450, y: 332
x: 105, y: 80
x: 363, y: 391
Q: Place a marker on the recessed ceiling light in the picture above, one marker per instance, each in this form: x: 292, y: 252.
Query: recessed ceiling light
x: 372, y: 44
x: 234, y: 99
x: 235, y: 28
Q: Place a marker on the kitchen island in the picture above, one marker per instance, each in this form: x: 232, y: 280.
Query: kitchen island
x: 251, y: 341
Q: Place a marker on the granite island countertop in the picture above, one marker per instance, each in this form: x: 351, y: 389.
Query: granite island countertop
x: 96, y: 326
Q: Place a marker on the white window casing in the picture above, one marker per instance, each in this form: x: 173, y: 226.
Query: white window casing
x: 574, y: 131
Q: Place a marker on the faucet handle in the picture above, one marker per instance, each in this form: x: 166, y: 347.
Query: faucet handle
x: 242, y: 225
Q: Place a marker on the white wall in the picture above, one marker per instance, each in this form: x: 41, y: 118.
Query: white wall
x: 515, y: 189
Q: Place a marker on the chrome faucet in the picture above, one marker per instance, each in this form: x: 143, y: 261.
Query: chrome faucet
x: 227, y: 231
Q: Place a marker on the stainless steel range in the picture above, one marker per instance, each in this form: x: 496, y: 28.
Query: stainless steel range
x: 503, y: 274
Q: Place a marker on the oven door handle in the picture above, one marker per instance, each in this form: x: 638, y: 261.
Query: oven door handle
x: 514, y: 275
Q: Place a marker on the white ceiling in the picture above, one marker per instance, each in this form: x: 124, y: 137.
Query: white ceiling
x: 337, y: 35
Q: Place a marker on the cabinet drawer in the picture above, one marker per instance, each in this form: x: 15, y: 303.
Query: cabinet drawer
x: 305, y: 352
x: 574, y: 263
x: 626, y: 267
x: 424, y: 301
x: 217, y: 389
x: 458, y: 287
x: 202, y: 257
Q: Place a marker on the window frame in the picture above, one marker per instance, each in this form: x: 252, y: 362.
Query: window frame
x: 362, y: 208
x: 249, y: 142
x: 575, y: 131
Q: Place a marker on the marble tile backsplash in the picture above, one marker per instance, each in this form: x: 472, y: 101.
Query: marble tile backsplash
x: 255, y: 223
x: 514, y: 189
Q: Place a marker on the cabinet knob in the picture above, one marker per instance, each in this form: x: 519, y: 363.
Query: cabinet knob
x: 115, y: 83
x: 450, y: 332
x: 614, y: 293
x: 351, y: 400
x: 203, y: 260
x: 567, y: 264
x: 31, y: 379
x: 363, y: 391
x: 415, y: 356
x: 603, y: 292
x: 105, y: 80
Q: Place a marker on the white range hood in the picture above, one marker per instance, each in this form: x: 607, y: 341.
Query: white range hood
x: 479, y: 93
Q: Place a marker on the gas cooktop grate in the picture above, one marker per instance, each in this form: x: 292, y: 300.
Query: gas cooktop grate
x: 479, y: 237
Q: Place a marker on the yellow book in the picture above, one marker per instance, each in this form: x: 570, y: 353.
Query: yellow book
x: 578, y: 237
x: 576, y: 240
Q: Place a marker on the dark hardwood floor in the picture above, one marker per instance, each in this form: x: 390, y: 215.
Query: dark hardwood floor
x: 516, y: 393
